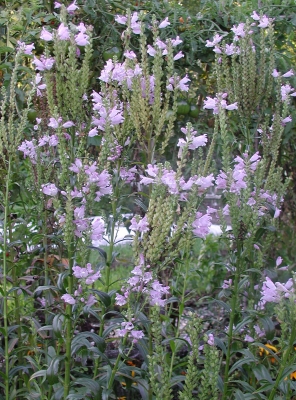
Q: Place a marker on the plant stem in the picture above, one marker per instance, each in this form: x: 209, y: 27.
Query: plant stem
x: 181, y: 308
x: 231, y: 322
x: 115, y: 367
x: 284, y: 360
x: 5, y: 273
x: 69, y: 325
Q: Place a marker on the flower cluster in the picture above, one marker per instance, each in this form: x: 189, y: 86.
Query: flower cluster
x: 111, y: 115
x: 218, y: 103
x: 64, y: 33
x: 192, y: 141
x: 86, y: 276
x: 167, y: 177
x: 240, y: 31
x: 127, y: 328
x: 142, y: 282
x: 275, y: 292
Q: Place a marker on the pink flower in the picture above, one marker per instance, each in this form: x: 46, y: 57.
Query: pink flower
x: 93, y: 132
x: 121, y: 19
x: 255, y: 16
x: 120, y: 300
x: 151, y: 51
x: 249, y: 339
x: 68, y: 299
x: 239, y: 31
x: 177, y: 41
x: 135, y: 25
x: 288, y: 74
x: 46, y: 35
x: 140, y: 226
x: 50, y: 189
x: 278, y: 261
x: 275, y: 73
x: 201, y: 225
x: 211, y: 341
x: 63, y: 32
x: 72, y: 7
x: 97, y: 229
x: 227, y: 284
x: 178, y: 56
x: 264, y: 22
x: 161, y: 45
x: 286, y: 120
x: 216, y: 39
x: 136, y: 335
x: 81, y: 39
x: 130, y: 54
x: 68, y: 124
x: 232, y: 106
x: 182, y: 84
x: 53, y: 123
x: 44, y: 64
x: 164, y: 23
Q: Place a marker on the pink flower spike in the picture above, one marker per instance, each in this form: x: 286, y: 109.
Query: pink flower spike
x: 288, y: 74
x: 164, y: 23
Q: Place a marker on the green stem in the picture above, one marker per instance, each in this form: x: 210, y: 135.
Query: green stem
x: 150, y: 390
x: 181, y: 308
x: 5, y: 273
x: 115, y: 367
x: 69, y: 323
x: 231, y: 322
x: 284, y: 360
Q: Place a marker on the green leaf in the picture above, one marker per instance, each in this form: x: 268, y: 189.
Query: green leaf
x: 104, y: 297
x: 172, y: 345
x: 261, y: 373
x: 238, y: 364
x: 90, y: 384
x: 101, y: 251
x: 57, y: 325
x: 100, y: 342
x: 38, y: 374
x: 5, y: 49
x: 52, y: 372
x: 242, y: 324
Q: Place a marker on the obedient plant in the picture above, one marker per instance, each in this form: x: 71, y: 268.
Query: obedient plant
x: 81, y: 195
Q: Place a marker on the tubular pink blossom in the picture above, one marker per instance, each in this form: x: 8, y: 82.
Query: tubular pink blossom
x: 164, y: 23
